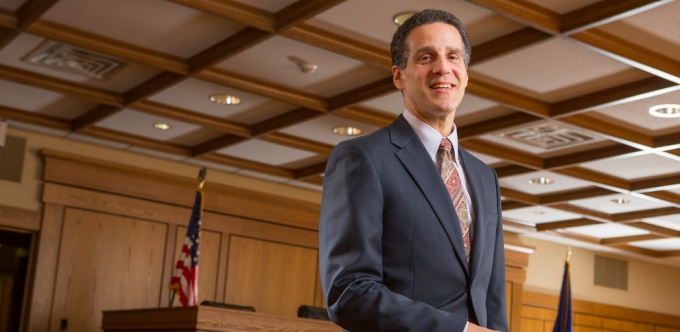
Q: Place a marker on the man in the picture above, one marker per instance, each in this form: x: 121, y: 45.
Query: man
x: 391, y: 246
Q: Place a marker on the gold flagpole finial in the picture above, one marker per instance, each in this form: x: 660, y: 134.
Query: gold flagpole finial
x: 568, y: 253
x: 201, y: 177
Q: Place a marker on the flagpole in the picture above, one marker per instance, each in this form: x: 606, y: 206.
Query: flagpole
x: 201, y: 181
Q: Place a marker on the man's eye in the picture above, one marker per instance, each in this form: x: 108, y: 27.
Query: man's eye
x: 425, y: 58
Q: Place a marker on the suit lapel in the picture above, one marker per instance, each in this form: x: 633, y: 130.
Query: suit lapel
x: 417, y: 162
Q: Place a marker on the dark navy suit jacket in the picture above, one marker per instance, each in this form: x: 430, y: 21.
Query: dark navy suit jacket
x: 390, y: 246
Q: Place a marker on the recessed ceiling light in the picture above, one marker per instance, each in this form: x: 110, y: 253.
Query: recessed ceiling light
x: 665, y: 111
x: 541, y: 181
x: 401, y: 17
x: 620, y: 201
x: 224, y: 99
x: 162, y: 126
x: 347, y: 131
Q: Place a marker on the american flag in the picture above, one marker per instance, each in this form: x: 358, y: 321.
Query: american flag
x: 185, y: 275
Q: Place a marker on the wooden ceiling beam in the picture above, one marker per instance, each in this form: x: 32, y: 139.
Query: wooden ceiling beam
x: 310, y: 171
x: 507, y: 97
x: 480, y: 128
x: 502, y: 152
x: 31, y: 11
x: 228, y: 47
x: 137, y: 141
x: 79, y: 90
x: 633, y: 54
x: 195, y: 118
x: 565, y: 196
x: 576, y: 158
x: 216, y: 144
x: 300, y: 11
x: 366, y: 115
x: 152, y: 86
x: 361, y: 94
x: 636, y: 215
x: 343, y: 45
x: 507, y: 43
x: 595, y: 177
x: 293, y: 117
x: 91, y: 117
x: 601, y: 125
x: 525, y: 12
x: 611, y: 96
x: 549, y: 226
x: 34, y: 118
x: 298, y: 143
x: 626, y: 239
x: 109, y: 46
x: 604, y: 12
x: 235, y: 11
x: 256, y: 86
x: 247, y: 165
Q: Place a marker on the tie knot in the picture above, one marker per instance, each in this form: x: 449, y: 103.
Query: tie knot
x: 445, y: 144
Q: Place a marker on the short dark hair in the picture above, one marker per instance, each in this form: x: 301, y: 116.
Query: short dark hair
x: 399, y: 48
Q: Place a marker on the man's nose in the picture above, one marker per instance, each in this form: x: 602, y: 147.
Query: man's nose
x: 441, y: 66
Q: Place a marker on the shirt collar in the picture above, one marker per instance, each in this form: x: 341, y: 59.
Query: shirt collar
x: 430, y: 137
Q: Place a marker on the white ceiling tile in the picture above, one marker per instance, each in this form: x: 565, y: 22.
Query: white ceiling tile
x: 561, y: 183
x: 193, y: 95
x: 268, y: 61
x: 159, y: 154
x: 190, y: 30
x: 389, y: 103
x: 535, y: 215
x: 320, y: 129
x: 42, y: 101
x: 265, y: 152
x: 659, y: 245
x: 576, y: 65
x: 635, y: 167
x: 141, y: 124
x: 636, y: 112
x: 670, y: 221
x: 604, y: 204
x: 607, y: 230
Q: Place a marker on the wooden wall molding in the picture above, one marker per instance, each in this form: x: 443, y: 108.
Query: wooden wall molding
x: 17, y: 218
x: 105, y: 176
x: 605, y: 311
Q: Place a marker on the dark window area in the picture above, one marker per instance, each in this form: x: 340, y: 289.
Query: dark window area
x: 14, y: 256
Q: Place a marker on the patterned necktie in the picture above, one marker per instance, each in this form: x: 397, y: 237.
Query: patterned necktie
x: 451, y: 178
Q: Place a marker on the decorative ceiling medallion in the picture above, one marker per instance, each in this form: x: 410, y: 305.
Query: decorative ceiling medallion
x: 75, y: 60
x: 547, y: 136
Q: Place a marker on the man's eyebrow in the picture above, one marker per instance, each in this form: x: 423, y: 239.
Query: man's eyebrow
x: 426, y: 49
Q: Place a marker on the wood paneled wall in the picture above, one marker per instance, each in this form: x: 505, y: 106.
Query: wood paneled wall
x: 539, y: 312
x: 109, y: 236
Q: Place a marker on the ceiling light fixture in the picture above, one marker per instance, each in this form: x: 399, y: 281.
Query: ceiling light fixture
x: 224, y: 99
x: 162, y: 126
x: 306, y: 67
x: 347, y: 131
x: 665, y: 111
x: 620, y: 201
x: 541, y: 181
x: 401, y: 17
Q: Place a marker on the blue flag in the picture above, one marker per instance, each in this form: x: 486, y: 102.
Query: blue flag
x: 563, y: 321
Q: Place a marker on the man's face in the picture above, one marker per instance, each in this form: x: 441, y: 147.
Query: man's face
x: 435, y: 76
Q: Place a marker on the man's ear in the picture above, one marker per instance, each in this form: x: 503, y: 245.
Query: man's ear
x: 397, y: 78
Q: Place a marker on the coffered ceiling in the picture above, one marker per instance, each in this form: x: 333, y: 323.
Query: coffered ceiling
x: 558, y: 89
